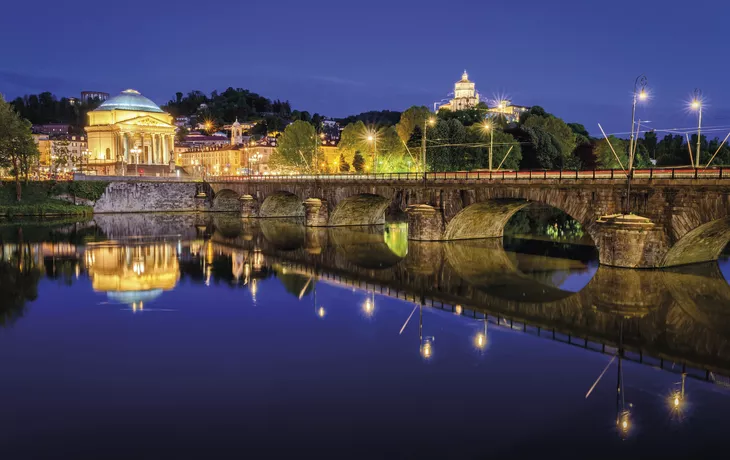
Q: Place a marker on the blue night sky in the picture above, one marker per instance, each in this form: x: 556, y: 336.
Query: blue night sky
x: 576, y: 58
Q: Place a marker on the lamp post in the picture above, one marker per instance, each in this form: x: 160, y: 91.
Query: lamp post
x: 430, y: 121
x: 85, y: 154
x: 136, y: 151
x: 640, y: 94
x: 488, y: 126
x: 373, y: 137
x: 696, y: 104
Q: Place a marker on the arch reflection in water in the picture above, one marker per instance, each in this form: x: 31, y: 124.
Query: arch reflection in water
x: 134, y: 273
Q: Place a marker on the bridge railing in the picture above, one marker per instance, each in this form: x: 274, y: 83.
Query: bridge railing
x: 592, y: 174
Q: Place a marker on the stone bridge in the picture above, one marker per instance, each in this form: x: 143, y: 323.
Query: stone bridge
x: 672, y: 222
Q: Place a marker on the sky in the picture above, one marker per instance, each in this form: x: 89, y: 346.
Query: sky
x: 576, y: 58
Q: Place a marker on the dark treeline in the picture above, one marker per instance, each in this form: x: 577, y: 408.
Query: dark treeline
x: 217, y: 109
x: 379, y: 118
x: 46, y: 108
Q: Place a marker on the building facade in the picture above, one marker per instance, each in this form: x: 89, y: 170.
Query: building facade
x: 52, y: 128
x: 87, y: 96
x: 130, y: 129
x: 465, y: 95
x: 505, y: 109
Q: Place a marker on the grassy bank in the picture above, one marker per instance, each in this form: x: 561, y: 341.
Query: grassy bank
x: 37, y: 200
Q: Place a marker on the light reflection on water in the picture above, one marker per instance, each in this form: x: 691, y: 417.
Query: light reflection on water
x: 233, y: 334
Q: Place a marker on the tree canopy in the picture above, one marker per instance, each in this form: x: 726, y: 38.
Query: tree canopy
x: 46, y: 108
x: 17, y: 148
x: 374, y: 117
x: 412, y: 118
x: 296, y: 148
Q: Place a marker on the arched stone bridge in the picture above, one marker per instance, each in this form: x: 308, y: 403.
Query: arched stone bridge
x: 674, y: 221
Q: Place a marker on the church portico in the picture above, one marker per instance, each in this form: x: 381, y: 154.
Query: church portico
x: 129, y: 129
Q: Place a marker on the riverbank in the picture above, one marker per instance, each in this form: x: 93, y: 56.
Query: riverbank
x: 46, y: 199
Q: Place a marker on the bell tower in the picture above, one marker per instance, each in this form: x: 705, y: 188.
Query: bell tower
x: 236, y: 133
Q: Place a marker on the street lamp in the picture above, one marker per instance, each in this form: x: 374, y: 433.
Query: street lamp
x: 369, y: 306
x: 481, y: 338
x: 489, y: 127
x: 136, y: 151
x: 430, y: 121
x: 696, y: 104
x: 640, y: 94
x: 373, y: 137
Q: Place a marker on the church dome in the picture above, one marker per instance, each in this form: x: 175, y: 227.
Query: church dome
x: 130, y: 100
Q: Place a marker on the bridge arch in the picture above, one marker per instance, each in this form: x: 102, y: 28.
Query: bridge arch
x: 281, y: 204
x: 361, y: 209
x: 701, y: 244
x: 485, y: 219
x: 485, y: 215
x: 226, y: 200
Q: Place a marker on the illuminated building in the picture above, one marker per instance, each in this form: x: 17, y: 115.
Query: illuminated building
x: 87, y: 96
x: 216, y: 161
x: 465, y: 95
x: 132, y: 274
x: 43, y: 142
x: 52, y: 128
x: 504, y: 108
x: 129, y: 129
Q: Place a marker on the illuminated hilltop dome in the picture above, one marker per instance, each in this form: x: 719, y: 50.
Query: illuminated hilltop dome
x: 130, y: 100
x: 129, y: 129
x: 465, y: 95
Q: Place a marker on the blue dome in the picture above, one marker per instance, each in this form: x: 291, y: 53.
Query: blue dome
x: 130, y: 100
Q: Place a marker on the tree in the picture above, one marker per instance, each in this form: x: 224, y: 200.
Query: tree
x: 182, y: 133
x: 61, y: 156
x: 296, y: 147
x: 358, y: 162
x: 16, y: 143
x: 540, y: 149
x: 392, y: 154
x: 502, y: 143
x: 344, y: 165
x: 467, y: 117
x: 558, y: 129
x: 605, y: 157
x: 446, y: 151
x: 410, y: 119
x: 374, y: 117
x: 354, y: 138
x: 650, y: 141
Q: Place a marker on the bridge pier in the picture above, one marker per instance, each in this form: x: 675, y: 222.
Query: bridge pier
x: 249, y: 206
x: 315, y: 212
x: 201, y: 201
x: 629, y: 241
x: 425, y: 223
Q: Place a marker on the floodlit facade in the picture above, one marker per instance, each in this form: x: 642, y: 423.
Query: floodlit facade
x: 465, y: 95
x: 505, y: 109
x: 129, y: 129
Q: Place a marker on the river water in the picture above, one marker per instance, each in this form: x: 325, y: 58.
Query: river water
x: 205, y: 336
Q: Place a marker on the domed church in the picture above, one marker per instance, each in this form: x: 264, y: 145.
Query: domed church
x: 130, y: 131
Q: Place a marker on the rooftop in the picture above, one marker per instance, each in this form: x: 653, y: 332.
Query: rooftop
x: 129, y: 100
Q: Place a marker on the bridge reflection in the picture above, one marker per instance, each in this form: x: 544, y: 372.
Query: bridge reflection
x: 659, y: 317
x: 669, y: 318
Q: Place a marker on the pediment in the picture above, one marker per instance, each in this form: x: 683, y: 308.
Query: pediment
x: 145, y: 120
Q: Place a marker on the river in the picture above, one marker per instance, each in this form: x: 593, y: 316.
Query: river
x: 207, y: 336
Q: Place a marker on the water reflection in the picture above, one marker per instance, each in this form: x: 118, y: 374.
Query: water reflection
x: 132, y: 274
x: 676, y: 320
